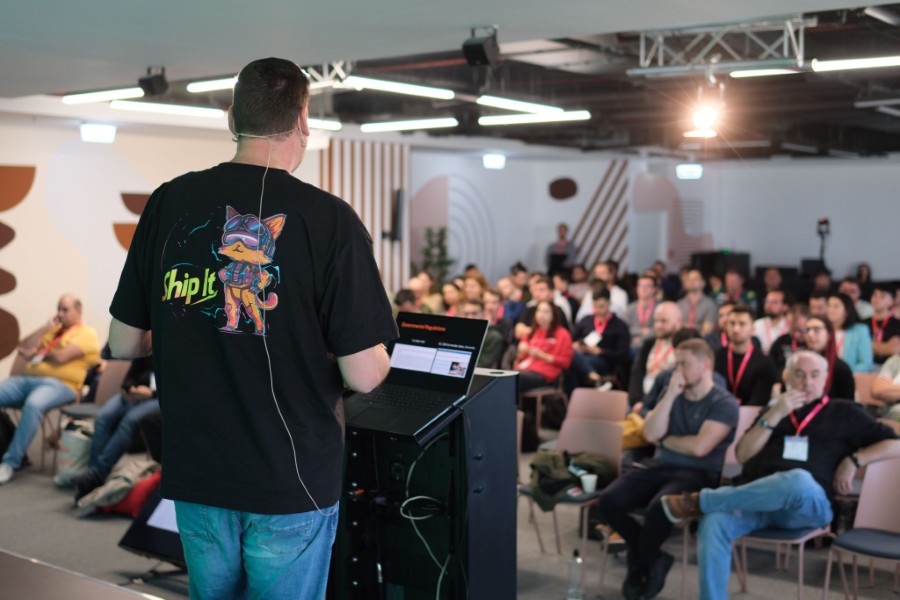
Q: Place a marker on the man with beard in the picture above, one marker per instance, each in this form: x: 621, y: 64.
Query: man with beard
x: 774, y: 324
x: 692, y: 425
x: 750, y: 373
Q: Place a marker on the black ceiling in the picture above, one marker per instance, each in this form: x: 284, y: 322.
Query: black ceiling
x: 807, y: 114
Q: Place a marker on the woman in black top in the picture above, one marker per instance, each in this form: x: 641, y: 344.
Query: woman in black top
x: 820, y: 338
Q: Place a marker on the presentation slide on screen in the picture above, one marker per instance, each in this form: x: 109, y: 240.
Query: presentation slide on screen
x: 163, y: 516
x: 451, y: 363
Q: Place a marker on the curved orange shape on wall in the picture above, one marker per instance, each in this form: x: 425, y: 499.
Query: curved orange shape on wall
x: 15, y: 183
x: 125, y: 233
x: 135, y: 203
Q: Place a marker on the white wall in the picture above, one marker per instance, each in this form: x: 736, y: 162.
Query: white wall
x: 770, y: 209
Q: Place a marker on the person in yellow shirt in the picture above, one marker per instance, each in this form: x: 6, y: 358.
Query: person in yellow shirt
x: 58, y: 357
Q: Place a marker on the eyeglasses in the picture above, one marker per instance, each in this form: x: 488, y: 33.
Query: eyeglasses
x: 815, y: 329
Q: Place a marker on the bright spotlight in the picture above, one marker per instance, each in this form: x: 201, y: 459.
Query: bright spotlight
x: 706, y: 117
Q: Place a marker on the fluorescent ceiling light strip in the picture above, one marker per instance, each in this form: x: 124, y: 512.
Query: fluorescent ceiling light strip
x: 103, y: 96
x: 573, y: 115
x: 212, y: 85
x: 876, y: 103
x: 364, y: 83
x: 700, y: 133
x: 409, y: 125
x: 517, y: 105
x: 762, y: 73
x: 324, y: 124
x: 876, y: 62
x: 887, y: 110
x: 168, y: 109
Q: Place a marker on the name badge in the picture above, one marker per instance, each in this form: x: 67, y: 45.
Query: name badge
x: 796, y: 448
x: 649, y: 380
x: 592, y: 339
x: 37, y: 359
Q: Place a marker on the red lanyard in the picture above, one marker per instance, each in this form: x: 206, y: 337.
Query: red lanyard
x: 839, y: 340
x: 793, y: 344
x: 692, y: 313
x: 657, y: 359
x: 877, y: 331
x: 643, y: 319
x: 799, y: 427
x: 724, y: 340
x: 735, y: 382
x: 599, y: 326
x: 56, y: 340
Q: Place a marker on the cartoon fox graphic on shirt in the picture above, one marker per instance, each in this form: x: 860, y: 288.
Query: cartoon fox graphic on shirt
x: 250, y: 244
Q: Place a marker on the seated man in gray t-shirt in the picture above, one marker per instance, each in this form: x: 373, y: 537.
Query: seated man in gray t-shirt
x: 692, y: 425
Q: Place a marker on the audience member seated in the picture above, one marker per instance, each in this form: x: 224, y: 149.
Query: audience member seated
x: 735, y: 292
x: 639, y: 314
x: 578, y: 282
x: 822, y: 282
x: 601, y: 343
x: 512, y: 297
x: 605, y: 272
x: 661, y: 383
x: 850, y: 286
x: 474, y: 286
x: 117, y: 423
x: 772, y: 280
x: 405, y: 301
x: 774, y: 324
x: 884, y: 326
x: 818, y: 303
x: 540, y: 292
x: 58, y: 357
x: 561, y: 253
x: 800, y: 452
x: 494, y: 313
x: 750, y: 373
x: 698, y: 311
x: 718, y: 338
x: 864, y: 277
x: 692, y: 425
x: 886, y: 387
x: 546, y: 351
x: 560, y: 282
x: 854, y: 344
x: 428, y: 297
x: 820, y: 339
x: 794, y: 339
x: 451, y: 295
x: 656, y: 355
x: 493, y: 346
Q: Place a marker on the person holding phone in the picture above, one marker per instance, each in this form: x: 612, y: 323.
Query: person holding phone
x: 117, y: 423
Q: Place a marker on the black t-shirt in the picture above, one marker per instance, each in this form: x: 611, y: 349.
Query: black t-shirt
x: 782, y: 348
x: 755, y: 384
x: 616, y: 340
x: 891, y: 329
x: 208, y: 278
x: 838, y: 430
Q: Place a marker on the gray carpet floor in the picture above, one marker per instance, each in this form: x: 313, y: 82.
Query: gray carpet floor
x: 38, y: 520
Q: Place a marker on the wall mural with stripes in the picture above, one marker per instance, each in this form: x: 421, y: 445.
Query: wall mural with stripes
x: 373, y: 177
x: 601, y: 232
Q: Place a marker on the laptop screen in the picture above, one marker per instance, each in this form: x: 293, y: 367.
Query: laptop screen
x: 435, y: 352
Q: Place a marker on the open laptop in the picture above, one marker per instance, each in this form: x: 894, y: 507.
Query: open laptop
x: 432, y: 365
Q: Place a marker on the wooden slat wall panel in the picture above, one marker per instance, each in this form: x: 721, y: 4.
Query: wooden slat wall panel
x: 367, y: 175
x: 602, y: 230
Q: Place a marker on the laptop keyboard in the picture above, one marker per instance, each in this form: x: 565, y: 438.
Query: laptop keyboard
x: 405, y: 399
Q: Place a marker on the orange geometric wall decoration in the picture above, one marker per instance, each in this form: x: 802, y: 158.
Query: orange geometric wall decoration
x: 135, y: 204
x: 15, y: 183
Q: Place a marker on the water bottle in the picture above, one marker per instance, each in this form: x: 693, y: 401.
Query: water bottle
x: 575, y: 569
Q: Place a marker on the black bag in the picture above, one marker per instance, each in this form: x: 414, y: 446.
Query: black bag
x: 7, y: 431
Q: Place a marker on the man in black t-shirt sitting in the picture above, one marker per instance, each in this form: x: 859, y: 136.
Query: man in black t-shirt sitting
x: 692, y: 425
x: 750, y: 373
x: 884, y: 326
x: 800, y: 452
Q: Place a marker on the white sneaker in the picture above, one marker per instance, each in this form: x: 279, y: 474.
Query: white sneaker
x: 6, y: 472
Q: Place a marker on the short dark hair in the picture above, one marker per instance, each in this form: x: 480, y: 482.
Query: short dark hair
x: 477, y: 303
x: 404, y: 296
x: 819, y: 295
x: 684, y: 334
x: 541, y: 278
x: 493, y: 292
x: 742, y: 309
x: 699, y: 348
x: 601, y: 293
x: 884, y: 286
x: 268, y: 97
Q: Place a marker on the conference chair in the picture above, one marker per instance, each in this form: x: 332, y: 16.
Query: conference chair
x: 863, y: 383
x: 591, y: 403
x: 600, y: 438
x: 876, y: 529
x: 538, y: 394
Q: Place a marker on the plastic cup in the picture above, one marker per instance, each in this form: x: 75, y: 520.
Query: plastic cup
x: 589, y: 483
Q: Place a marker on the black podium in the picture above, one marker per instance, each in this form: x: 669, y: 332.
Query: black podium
x: 437, y: 521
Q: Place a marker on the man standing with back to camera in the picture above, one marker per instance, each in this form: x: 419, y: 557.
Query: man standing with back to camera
x: 246, y: 283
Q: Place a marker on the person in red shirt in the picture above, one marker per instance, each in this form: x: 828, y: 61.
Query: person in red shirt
x: 546, y: 352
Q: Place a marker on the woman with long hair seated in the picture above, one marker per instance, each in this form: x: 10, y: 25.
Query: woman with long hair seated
x: 546, y: 352
x: 820, y: 338
x: 852, y: 338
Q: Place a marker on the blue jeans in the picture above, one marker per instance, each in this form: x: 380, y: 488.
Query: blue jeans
x: 585, y: 364
x: 35, y: 396
x: 232, y: 554
x: 114, y: 429
x: 787, y: 500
